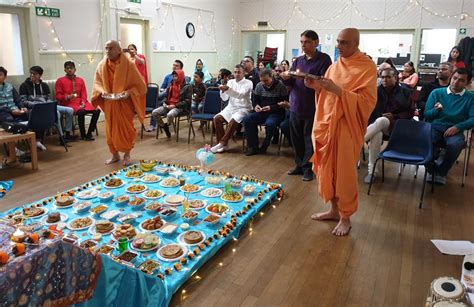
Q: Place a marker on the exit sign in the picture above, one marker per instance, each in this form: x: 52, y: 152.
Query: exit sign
x: 135, y: 1
x: 47, y: 12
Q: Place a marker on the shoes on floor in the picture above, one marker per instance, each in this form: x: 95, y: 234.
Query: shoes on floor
x: 296, y: 171
x: 222, y: 149
x: 215, y: 148
x: 70, y: 138
x: 40, y: 146
x: 166, y: 129
x: 88, y: 137
x: 440, y: 179
x: 150, y: 129
x: 308, y: 175
x: 251, y: 151
x: 369, y: 178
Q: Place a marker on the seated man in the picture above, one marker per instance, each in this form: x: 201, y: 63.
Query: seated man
x: 199, y: 91
x: 176, y: 103
x: 238, y: 91
x: 10, y: 101
x: 71, y: 92
x: 393, y: 103
x: 269, y: 92
x: 33, y: 91
x: 445, y: 70
x: 450, y: 111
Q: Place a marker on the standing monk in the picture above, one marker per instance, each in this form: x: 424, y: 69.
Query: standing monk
x: 117, y: 75
x: 346, y: 97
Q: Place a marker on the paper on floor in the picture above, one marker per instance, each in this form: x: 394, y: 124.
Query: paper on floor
x: 460, y: 248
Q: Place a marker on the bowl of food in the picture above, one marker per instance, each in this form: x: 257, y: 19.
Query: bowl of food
x: 145, y: 242
x: 235, y: 183
x: 161, y: 170
x: 122, y: 200
x: 214, y: 180
x: 136, y: 203
x: 217, y: 208
x: 147, y: 165
x: 189, y: 215
x: 248, y: 190
x: 168, y: 212
x: 106, y: 196
x: 82, y: 207
x: 152, y: 224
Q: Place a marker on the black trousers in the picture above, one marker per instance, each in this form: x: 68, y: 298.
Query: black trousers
x: 81, y: 115
x: 300, y: 131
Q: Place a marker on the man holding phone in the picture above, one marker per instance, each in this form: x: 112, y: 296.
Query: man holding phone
x: 302, y: 102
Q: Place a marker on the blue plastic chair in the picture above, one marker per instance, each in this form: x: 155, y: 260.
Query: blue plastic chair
x: 151, y: 101
x: 409, y: 143
x: 44, y: 116
x: 212, y: 106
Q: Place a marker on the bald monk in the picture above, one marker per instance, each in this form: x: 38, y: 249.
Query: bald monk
x: 116, y: 74
x: 346, y: 97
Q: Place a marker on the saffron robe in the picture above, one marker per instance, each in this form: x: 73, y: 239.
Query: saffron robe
x: 117, y: 77
x: 339, y: 127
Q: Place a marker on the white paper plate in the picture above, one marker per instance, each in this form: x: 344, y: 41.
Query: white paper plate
x: 233, y: 201
x: 137, y: 192
x: 181, y: 239
x: 133, y: 177
x: 204, y: 205
x: 218, y: 214
x: 92, y: 230
x: 81, y: 228
x: 169, y: 186
x: 175, y: 203
x: 64, y: 207
x: 87, y: 194
x: 199, y: 189
x: 119, y: 186
x: 146, y: 230
x: 185, y: 251
x: 63, y: 218
x: 146, y: 249
x: 148, y: 197
x: 153, y: 181
x: 206, y: 191
x: 45, y: 210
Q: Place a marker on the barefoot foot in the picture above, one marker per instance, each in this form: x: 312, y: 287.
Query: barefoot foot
x: 113, y: 159
x: 342, y: 228
x: 127, y: 160
x: 328, y: 215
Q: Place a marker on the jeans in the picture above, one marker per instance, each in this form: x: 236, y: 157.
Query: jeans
x: 251, y: 122
x: 454, y: 145
x: 161, y: 97
x: 68, y: 114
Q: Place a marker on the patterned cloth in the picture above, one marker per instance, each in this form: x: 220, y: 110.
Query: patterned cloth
x: 5, y: 186
x: 56, y: 273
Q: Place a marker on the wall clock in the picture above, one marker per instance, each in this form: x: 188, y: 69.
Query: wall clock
x: 190, y: 30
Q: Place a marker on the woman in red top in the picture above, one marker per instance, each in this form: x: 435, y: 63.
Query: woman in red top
x: 139, y: 60
x: 455, y: 58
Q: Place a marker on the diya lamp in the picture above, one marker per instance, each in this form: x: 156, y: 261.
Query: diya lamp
x: 18, y: 236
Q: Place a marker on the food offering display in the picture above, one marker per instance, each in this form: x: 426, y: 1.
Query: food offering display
x: 145, y: 217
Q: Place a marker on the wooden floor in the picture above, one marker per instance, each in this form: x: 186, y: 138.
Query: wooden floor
x: 288, y: 259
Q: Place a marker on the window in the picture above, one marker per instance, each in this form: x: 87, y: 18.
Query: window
x: 432, y: 51
x: 11, y: 55
x: 381, y: 45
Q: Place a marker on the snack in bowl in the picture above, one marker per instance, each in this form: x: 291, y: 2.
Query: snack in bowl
x: 127, y: 256
x: 235, y: 183
x: 122, y: 200
x: 82, y: 207
x: 211, y: 219
x: 189, y: 215
x: 190, y: 188
x: 154, y: 206
x: 217, y: 208
x: 169, y: 182
x: 106, y: 196
x: 53, y: 217
x: 136, y: 202
x: 168, y: 212
x: 196, y: 204
x: 104, y: 226
x: 211, y: 192
x: 136, y: 188
x: 146, y: 241
x: 64, y: 201
x: 162, y: 170
x: 248, y: 190
x: 232, y: 196
x: 214, y: 180
x: 152, y: 224
x: 150, y: 178
x: 153, y: 194
x: 134, y: 173
x: 171, y: 251
x: 98, y: 209
x: 124, y: 230
x: 88, y: 243
x: 113, y: 183
x: 149, y: 266
x: 192, y: 237
x: 147, y: 165
x: 88, y: 194
x: 105, y: 249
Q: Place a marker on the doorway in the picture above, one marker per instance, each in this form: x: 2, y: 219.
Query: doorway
x: 254, y: 42
x: 134, y: 31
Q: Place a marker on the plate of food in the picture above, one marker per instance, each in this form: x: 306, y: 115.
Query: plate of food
x: 248, y: 189
x: 64, y: 201
x: 136, y: 188
x: 211, y: 192
x: 235, y: 183
x: 232, y: 196
x: 154, y: 206
x: 145, y: 242
x: 190, y: 188
x: 301, y: 75
x: 217, y: 208
x: 168, y: 228
x: 82, y: 206
x: 80, y: 223
x: 171, y: 252
x: 122, y: 200
x: 212, y: 219
x: 128, y: 218
x: 152, y: 225
x: 169, y: 182
x: 99, y: 209
x: 153, y: 194
x: 214, y: 180
x: 175, y: 200
x: 105, y: 249
x: 168, y: 212
x: 114, y: 183
x: 104, y: 227
x: 136, y: 203
x: 87, y: 194
x: 150, y: 178
x: 149, y: 266
x: 197, y: 204
x: 106, y: 196
x: 88, y: 243
x: 125, y: 230
x: 161, y: 170
x: 191, y: 237
x: 134, y: 173
x: 54, y: 217
x: 34, y: 212
x: 189, y: 215
x: 110, y: 215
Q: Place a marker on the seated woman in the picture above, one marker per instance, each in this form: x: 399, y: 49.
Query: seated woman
x: 269, y: 93
x: 176, y: 103
x: 408, y: 77
x: 200, y: 66
x: 455, y: 58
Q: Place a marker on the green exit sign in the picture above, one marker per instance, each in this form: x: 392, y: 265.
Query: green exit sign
x: 47, y: 12
x: 135, y: 1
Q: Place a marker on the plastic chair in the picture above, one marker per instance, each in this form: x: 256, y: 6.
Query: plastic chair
x: 269, y: 56
x: 409, y: 143
x: 44, y: 116
x: 212, y: 106
x: 151, y: 101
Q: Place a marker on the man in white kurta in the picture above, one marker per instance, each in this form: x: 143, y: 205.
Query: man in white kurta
x: 239, y: 93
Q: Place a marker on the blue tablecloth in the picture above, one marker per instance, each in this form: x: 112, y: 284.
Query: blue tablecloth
x: 119, y: 285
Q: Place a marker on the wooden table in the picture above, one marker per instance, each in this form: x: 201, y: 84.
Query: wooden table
x: 11, y: 139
